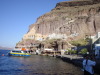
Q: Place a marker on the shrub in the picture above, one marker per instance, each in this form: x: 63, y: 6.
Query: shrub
x: 74, y: 51
x: 71, y: 51
x: 80, y: 42
x: 83, y: 51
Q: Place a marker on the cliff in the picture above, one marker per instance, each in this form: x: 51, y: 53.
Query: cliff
x: 74, y: 19
x: 69, y: 19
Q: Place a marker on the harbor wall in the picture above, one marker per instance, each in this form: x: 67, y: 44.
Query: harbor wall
x: 77, y: 61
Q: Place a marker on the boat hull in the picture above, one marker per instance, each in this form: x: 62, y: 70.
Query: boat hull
x: 19, y: 54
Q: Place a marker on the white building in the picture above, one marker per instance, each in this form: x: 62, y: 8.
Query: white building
x: 47, y: 49
x: 97, y: 50
x: 96, y: 41
x: 57, y: 36
x: 98, y: 35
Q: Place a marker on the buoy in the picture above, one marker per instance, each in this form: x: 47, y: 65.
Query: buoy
x: 2, y: 54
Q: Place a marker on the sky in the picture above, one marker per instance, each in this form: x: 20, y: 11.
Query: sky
x: 17, y: 15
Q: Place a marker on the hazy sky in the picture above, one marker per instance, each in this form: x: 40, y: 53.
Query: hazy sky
x: 17, y: 15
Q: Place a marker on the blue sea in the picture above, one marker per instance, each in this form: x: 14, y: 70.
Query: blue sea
x: 35, y: 65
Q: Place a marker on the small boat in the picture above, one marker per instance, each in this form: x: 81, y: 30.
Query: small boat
x: 18, y: 53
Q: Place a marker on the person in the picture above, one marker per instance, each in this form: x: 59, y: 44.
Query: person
x: 88, y: 64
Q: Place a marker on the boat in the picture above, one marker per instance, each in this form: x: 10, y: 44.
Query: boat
x: 18, y: 53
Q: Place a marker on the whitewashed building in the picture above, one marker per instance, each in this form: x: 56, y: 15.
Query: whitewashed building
x: 57, y: 36
x: 97, y: 50
x: 97, y: 45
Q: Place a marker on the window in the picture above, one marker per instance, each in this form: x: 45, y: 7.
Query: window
x: 16, y: 51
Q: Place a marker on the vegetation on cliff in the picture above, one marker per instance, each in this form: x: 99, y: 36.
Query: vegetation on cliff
x: 80, y: 42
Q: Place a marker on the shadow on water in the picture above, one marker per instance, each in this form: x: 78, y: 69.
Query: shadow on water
x: 36, y: 65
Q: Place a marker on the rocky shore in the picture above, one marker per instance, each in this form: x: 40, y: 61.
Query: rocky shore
x: 77, y: 61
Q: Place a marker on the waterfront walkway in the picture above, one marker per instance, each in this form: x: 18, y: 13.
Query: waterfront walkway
x: 77, y: 61
x: 72, y: 56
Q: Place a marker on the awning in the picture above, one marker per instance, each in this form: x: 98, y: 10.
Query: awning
x: 23, y: 49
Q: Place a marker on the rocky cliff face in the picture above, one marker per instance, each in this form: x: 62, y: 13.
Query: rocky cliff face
x: 75, y: 18
x: 81, y: 17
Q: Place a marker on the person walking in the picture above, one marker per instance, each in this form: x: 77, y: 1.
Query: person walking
x: 88, y: 64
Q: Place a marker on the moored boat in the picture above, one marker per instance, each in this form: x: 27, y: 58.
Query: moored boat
x: 18, y: 53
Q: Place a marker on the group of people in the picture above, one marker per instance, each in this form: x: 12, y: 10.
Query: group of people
x: 88, y: 64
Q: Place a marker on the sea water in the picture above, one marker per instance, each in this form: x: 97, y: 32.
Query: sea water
x: 35, y: 65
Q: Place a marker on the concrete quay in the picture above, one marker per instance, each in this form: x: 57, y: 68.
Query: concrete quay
x: 74, y: 59
x: 77, y: 61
